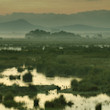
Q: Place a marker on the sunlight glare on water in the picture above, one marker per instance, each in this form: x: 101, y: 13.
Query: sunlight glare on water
x: 38, y: 79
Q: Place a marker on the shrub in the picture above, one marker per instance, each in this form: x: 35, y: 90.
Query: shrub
x: 58, y: 88
x: 70, y: 103
x: 10, y: 103
x: 32, y: 87
x: 36, y: 102
x: 57, y: 103
x: 11, y: 77
x: 8, y: 96
x: 19, y: 69
x: 27, y: 77
x: 87, y: 86
x: 30, y: 68
x: 1, y: 97
x: 98, y: 107
x: 74, y: 84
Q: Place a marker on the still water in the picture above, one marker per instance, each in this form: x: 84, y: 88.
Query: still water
x: 38, y: 79
x: 11, y: 48
x: 80, y: 103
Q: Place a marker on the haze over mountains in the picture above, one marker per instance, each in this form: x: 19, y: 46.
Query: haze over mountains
x: 81, y: 27
x: 22, y: 25
x: 16, y: 25
x: 84, y: 21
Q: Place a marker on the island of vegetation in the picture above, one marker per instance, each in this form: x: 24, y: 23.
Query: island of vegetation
x: 41, y: 33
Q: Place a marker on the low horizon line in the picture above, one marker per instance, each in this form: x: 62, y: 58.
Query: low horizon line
x: 53, y: 12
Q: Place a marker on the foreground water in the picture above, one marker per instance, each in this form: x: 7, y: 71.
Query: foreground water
x: 79, y: 102
x: 38, y: 79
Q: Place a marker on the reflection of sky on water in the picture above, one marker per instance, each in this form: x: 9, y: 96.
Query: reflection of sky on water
x: 80, y: 103
x: 11, y: 48
x: 38, y: 79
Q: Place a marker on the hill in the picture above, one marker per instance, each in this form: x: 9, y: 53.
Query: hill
x: 99, y: 18
x: 17, y: 25
x: 80, y: 27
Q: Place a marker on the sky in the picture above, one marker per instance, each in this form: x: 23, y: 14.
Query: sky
x: 52, y: 6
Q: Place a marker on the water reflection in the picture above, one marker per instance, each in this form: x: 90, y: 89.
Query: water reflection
x: 26, y: 100
x: 80, y: 103
x: 2, y: 107
x: 11, y: 48
x: 38, y: 79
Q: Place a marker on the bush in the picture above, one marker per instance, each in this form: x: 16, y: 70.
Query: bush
x: 30, y: 68
x: 8, y: 96
x: 70, y: 103
x: 10, y: 103
x: 1, y: 97
x: 11, y: 77
x: 98, y: 107
x: 58, y: 88
x: 87, y: 86
x: 74, y: 85
x: 32, y: 87
x: 57, y: 103
x: 8, y: 100
x: 19, y: 69
x: 36, y: 102
x: 27, y: 77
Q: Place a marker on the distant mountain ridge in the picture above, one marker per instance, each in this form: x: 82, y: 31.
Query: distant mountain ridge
x: 21, y: 25
x: 16, y: 25
x: 80, y: 27
x: 99, y: 18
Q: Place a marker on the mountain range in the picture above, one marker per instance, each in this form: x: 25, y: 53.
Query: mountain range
x: 84, y: 21
x: 22, y: 25
x: 99, y: 18
x: 16, y: 25
x: 81, y: 27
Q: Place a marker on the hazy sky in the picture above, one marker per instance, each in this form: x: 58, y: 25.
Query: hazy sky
x: 52, y: 6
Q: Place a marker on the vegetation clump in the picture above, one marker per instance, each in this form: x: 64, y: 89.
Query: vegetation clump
x: 57, y: 103
x: 41, y: 33
x: 30, y: 68
x: 36, y: 102
x: 27, y: 77
x: 84, y: 86
x: 1, y: 98
x: 11, y: 77
x: 8, y: 96
x: 9, y: 102
x: 98, y: 107
x: 37, y: 33
x: 20, y: 69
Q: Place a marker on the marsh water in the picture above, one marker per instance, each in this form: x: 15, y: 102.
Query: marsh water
x: 79, y: 102
x: 38, y: 79
x: 11, y: 48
